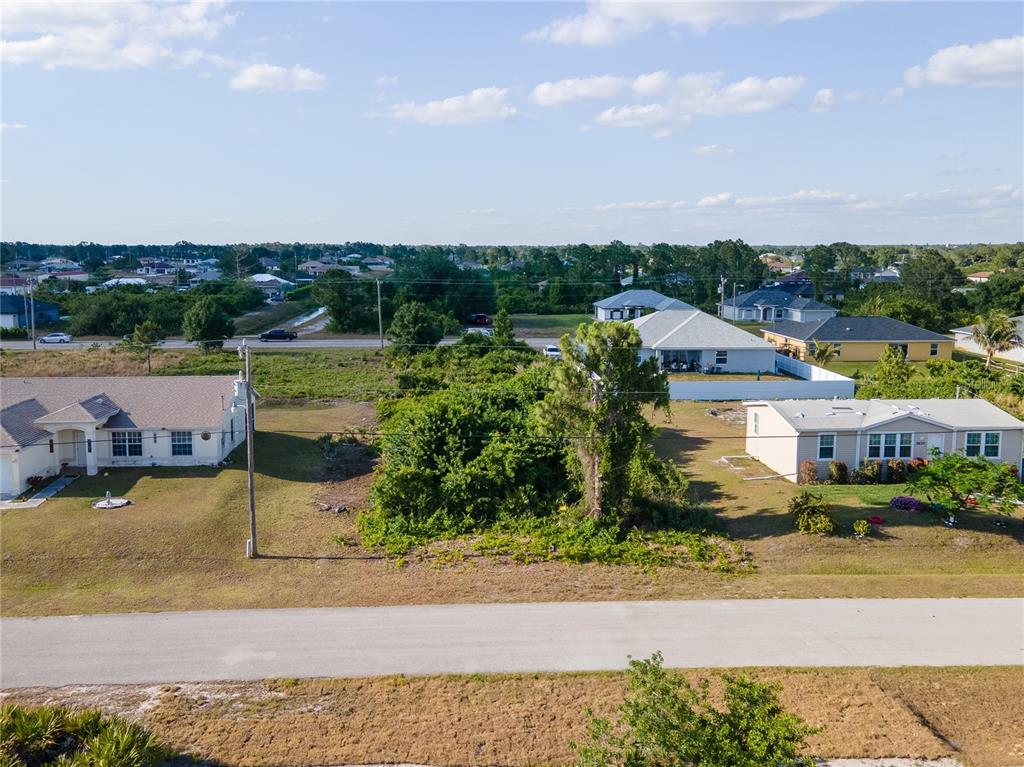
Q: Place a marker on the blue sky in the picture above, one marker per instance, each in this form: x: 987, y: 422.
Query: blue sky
x: 777, y: 122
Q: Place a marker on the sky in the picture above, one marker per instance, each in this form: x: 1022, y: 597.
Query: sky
x: 515, y: 123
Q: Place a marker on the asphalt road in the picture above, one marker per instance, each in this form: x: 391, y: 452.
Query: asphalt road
x: 571, y: 636
x: 368, y: 342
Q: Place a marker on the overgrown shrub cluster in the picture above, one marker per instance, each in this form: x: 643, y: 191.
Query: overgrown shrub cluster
x: 812, y: 514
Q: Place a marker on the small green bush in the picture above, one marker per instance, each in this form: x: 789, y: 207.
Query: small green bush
x: 861, y: 528
x: 807, y: 473
x: 838, y: 473
x: 13, y: 334
x: 869, y: 473
x: 812, y: 514
x: 896, y: 473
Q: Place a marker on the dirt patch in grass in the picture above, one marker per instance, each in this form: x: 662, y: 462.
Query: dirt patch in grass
x: 530, y: 719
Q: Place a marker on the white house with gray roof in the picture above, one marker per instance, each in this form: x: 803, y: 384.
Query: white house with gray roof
x: 692, y: 340
x: 782, y: 434
x: 48, y: 424
x: 634, y: 303
x: 775, y: 303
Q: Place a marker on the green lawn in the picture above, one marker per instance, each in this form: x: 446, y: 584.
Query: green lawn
x: 547, y: 324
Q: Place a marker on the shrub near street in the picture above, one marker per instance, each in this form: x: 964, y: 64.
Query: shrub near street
x: 812, y: 514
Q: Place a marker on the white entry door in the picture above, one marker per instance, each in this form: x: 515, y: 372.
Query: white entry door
x: 80, y: 451
x: 936, y: 442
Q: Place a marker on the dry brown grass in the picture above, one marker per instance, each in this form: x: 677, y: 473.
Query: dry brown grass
x: 84, y: 362
x: 976, y: 715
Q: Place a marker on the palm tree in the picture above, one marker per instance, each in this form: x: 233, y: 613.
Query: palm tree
x: 995, y: 333
x: 824, y: 353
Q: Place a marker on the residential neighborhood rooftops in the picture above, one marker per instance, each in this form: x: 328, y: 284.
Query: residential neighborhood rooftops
x: 132, y: 402
x: 849, y: 329
x: 693, y: 329
x: 775, y: 297
x: 651, y: 299
x: 969, y: 329
x: 855, y: 414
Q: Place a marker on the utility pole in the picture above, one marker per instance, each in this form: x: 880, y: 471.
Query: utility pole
x: 32, y: 309
x: 250, y: 414
x: 380, y: 316
x: 734, y: 299
x: 721, y: 295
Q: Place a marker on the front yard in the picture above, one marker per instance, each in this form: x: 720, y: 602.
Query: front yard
x: 180, y: 545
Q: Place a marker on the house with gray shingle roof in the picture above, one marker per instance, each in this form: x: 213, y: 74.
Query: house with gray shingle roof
x: 631, y: 304
x: 859, y: 339
x: 48, y: 424
x: 773, y: 304
x: 692, y: 340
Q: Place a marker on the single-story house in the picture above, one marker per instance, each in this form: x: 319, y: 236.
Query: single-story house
x: 14, y: 286
x: 635, y: 303
x: 889, y: 274
x: 775, y: 303
x: 783, y: 433
x: 692, y: 340
x: 58, y: 264
x: 118, y: 282
x: 980, y: 277
x: 963, y: 342
x: 20, y: 265
x: 14, y: 313
x: 274, y: 287
x: 47, y: 424
x: 859, y: 339
x: 317, y: 267
x: 157, y: 267
x: 378, y: 263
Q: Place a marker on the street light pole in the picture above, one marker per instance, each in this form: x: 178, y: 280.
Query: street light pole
x: 380, y: 316
x: 32, y: 309
x: 251, y: 550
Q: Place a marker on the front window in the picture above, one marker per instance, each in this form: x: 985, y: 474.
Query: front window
x: 891, y: 445
x: 826, y: 447
x: 986, y: 444
x: 126, y: 443
x: 933, y: 350
x: 757, y: 423
x: 721, y: 357
x: 181, y: 443
x: 992, y: 444
x: 973, y: 445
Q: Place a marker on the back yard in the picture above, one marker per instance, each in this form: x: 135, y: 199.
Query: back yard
x: 181, y: 544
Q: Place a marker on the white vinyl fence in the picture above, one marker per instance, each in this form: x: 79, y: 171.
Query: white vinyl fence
x: 815, y: 383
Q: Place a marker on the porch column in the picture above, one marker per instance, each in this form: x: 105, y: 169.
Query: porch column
x: 90, y: 451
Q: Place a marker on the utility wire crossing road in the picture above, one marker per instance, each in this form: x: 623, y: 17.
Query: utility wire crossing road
x: 571, y: 636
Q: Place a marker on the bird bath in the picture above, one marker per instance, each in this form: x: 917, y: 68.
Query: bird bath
x: 111, y: 503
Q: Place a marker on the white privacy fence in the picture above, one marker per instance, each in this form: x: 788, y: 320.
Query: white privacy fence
x: 815, y: 383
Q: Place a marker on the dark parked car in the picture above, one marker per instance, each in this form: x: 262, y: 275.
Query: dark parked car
x: 479, y: 319
x: 278, y: 334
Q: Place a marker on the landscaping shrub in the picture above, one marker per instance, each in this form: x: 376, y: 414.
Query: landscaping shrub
x: 896, y: 471
x: 812, y: 514
x: 838, y: 473
x: 906, y: 503
x: 61, y: 736
x: 869, y: 473
x: 808, y: 473
x: 13, y: 334
x: 916, y: 463
x: 861, y: 528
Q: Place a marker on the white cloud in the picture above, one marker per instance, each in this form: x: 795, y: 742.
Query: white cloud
x: 893, y: 94
x: 573, y: 89
x: 268, y: 77
x: 997, y: 63
x: 12, y: 126
x: 133, y: 35
x: 802, y: 197
x: 657, y: 117
x: 652, y: 84
x: 607, y: 21
x: 480, y: 105
x: 632, y: 206
x: 715, y: 200
x: 712, y: 150
x: 824, y: 100
x: 386, y: 80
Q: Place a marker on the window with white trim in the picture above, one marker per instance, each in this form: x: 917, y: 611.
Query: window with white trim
x: 757, y: 422
x: 826, y: 447
x: 982, y: 443
x: 721, y: 357
x: 126, y: 443
x: 933, y: 350
x: 891, y: 445
x: 181, y: 443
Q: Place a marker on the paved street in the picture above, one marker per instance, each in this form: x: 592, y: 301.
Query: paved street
x: 366, y: 342
x: 574, y: 636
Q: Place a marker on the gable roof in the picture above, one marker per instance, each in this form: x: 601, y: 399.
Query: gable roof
x: 814, y: 415
x: 644, y: 299
x: 967, y: 330
x: 132, y: 402
x: 693, y: 329
x: 852, y: 329
x: 776, y: 297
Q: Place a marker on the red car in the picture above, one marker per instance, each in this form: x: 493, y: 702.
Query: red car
x: 479, y: 319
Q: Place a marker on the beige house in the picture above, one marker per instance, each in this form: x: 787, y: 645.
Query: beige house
x: 49, y: 424
x: 859, y: 339
x: 782, y: 434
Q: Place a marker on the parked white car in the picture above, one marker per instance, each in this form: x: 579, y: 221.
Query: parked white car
x: 56, y: 338
x: 480, y: 331
x: 553, y: 351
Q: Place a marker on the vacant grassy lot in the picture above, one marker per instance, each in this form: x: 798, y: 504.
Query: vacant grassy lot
x: 271, y: 316
x: 355, y: 374
x: 543, y: 325
x: 181, y: 544
x: 975, y: 715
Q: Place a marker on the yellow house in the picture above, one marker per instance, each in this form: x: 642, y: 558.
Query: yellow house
x: 859, y: 339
